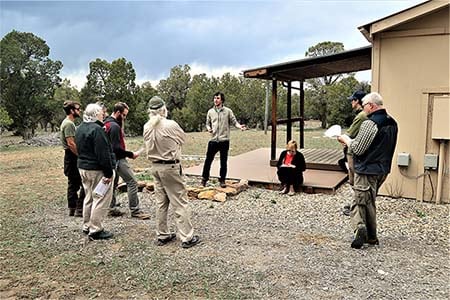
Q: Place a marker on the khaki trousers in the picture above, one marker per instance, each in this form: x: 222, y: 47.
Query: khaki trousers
x: 351, y: 169
x: 95, y: 207
x: 363, y: 209
x: 170, y: 189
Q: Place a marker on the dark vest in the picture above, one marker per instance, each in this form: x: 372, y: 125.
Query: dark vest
x: 377, y: 159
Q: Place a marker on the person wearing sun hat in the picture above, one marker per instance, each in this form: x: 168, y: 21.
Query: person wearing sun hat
x: 163, y: 139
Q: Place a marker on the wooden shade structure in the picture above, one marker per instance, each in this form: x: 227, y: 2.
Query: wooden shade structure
x: 299, y: 70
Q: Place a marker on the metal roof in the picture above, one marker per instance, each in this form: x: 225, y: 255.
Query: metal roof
x: 354, y: 60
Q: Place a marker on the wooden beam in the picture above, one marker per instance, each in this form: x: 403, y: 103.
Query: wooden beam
x: 302, y: 116
x: 255, y: 73
x: 289, y: 113
x: 273, y: 143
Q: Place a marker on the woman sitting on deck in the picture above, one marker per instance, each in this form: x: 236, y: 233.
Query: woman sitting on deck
x: 291, y: 165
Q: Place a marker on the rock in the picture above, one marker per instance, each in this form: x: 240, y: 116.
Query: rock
x: 228, y: 190
x: 220, y: 197
x: 209, y: 194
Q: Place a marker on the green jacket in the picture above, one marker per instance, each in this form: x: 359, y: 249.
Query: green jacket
x: 353, y: 130
x: 219, y: 121
x: 94, y: 148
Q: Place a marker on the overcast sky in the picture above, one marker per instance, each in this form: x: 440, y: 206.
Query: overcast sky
x: 213, y: 37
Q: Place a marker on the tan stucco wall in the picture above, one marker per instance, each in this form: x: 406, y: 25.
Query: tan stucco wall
x: 411, y: 65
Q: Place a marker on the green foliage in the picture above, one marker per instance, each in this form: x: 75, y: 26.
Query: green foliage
x: 198, y: 100
x: 53, y: 108
x: 28, y: 79
x: 143, y: 94
x: 5, y: 119
x: 175, y: 88
x: 114, y: 82
x: 326, y: 97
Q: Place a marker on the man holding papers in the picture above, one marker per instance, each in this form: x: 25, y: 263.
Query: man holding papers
x: 96, y: 165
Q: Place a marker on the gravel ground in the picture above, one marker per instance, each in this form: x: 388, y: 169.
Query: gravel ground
x: 263, y: 245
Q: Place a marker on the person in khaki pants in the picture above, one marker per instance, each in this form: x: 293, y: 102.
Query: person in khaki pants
x: 163, y: 139
x: 373, y: 149
x: 96, y: 165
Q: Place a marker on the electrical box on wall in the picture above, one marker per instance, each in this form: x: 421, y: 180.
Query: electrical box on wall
x: 430, y: 161
x: 403, y: 159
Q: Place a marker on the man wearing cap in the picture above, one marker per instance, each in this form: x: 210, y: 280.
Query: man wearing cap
x: 352, y: 131
x: 68, y: 129
x: 373, y: 149
x: 218, y: 121
x: 163, y: 139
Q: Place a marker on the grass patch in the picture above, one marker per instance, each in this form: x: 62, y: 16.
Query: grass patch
x: 46, y: 257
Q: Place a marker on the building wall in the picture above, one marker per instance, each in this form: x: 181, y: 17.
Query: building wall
x: 410, y: 67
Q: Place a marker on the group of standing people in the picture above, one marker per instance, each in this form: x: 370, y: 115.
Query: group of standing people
x: 96, y: 153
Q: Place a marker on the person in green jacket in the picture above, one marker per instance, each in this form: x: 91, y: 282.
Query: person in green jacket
x: 352, y: 132
x: 218, y: 121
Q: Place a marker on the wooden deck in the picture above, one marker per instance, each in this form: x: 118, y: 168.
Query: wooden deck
x: 321, y: 174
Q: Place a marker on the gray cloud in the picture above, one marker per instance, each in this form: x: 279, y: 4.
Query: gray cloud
x: 155, y: 36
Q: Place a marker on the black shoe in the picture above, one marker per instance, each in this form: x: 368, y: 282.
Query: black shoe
x: 162, y: 242
x: 346, y: 211
x: 194, y: 241
x: 101, y: 235
x: 204, y: 181
x: 115, y: 212
x: 78, y: 213
x: 222, y: 184
x: 86, y: 231
x: 360, y: 238
x: 373, y: 242
x: 71, y: 212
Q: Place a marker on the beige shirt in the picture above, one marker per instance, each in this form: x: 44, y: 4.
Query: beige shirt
x: 164, y: 140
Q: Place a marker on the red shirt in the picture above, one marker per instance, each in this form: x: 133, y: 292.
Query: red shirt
x: 288, y: 159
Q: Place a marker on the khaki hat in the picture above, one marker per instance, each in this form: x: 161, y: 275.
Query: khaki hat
x: 156, y: 102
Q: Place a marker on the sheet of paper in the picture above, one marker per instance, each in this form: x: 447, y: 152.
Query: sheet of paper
x: 102, y: 188
x: 333, y: 132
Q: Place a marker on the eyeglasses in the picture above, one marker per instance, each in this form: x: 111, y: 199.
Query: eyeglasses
x: 78, y: 108
x: 366, y: 104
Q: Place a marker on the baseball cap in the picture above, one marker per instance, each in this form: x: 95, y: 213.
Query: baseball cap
x: 156, y: 102
x: 358, y: 95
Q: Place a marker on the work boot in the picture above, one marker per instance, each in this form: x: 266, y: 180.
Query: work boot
x: 194, y: 241
x: 140, y: 215
x: 346, y: 211
x: 101, y: 235
x: 373, y: 242
x: 360, y: 238
x: 79, y: 212
x: 204, y: 181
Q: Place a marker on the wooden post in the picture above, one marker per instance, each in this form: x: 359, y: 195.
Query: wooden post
x: 289, y: 113
x: 273, y: 144
x: 302, y: 115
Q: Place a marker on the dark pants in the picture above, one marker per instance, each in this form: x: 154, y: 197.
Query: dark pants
x: 213, y: 148
x: 73, y: 181
x: 290, y: 176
